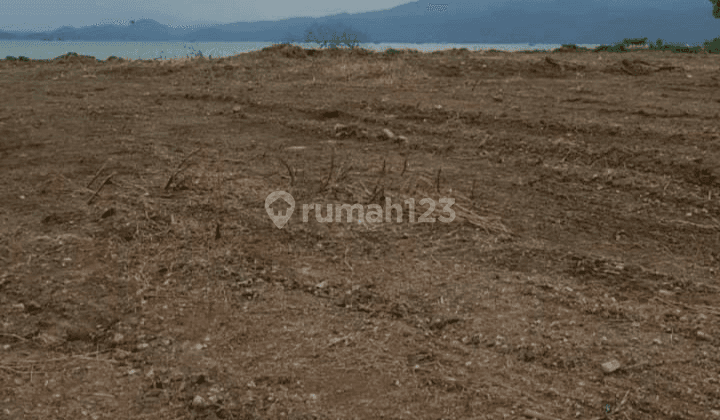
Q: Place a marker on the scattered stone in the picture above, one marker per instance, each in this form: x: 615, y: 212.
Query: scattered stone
x: 342, y: 130
x: 108, y: 213
x: 237, y: 109
x: 121, y: 354
x: 702, y: 336
x: 387, y: 134
x: 199, y: 401
x: 657, y: 341
x: 610, y: 366
x: 32, y: 306
x: 79, y: 332
x: 118, y: 338
x: 142, y: 346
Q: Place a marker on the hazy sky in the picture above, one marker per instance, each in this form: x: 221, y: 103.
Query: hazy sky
x: 50, y: 14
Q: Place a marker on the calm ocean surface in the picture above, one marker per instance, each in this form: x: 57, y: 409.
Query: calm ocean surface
x: 176, y: 49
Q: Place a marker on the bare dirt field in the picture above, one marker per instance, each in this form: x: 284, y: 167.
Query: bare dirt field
x: 141, y: 277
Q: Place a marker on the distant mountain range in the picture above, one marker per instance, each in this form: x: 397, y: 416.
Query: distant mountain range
x: 452, y: 21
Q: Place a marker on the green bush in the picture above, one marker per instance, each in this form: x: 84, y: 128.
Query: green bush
x: 392, y: 51
x: 70, y: 54
x: 681, y: 48
x: 634, y: 41
x: 10, y: 58
x: 712, y: 46
x: 657, y: 45
x: 611, y: 48
x: 23, y: 58
x: 572, y: 46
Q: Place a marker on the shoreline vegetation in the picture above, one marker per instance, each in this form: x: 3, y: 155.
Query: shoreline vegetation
x: 626, y: 45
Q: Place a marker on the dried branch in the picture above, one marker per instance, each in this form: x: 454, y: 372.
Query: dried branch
x: 97, y: 174
x: 290, y: 170
x: 180, y: 168
x: 105, y: 181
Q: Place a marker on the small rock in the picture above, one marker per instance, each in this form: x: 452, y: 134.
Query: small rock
x: 237, y: 109
x: 108, y: 213
x: 388, y: 134
x: 610, y: 366
x: 120, y: 354
x: 199, y: 401
x: 32, y: 306
x: 701, y: 335
x: 715, y: 413
x: 142, y: 346
x: 118, y: 338
x: 657, y: 341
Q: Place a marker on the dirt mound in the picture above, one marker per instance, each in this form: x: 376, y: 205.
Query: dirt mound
x: 452, y: 52
x: 289, y: 51
x: 636, y: 67
x: 571, y: 48
x: 549, y: 67
x: 330, y: 52
x: 493, y: 51
x: 74, y: 58
x: 362, y: 52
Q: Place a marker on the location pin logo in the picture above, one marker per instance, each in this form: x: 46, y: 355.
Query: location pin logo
x: 280, y: 219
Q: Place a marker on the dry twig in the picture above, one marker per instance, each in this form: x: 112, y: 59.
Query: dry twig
x: 105, y: 181
x: 97, y: 174
x: 290, y: 170
x: 180, y: 168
